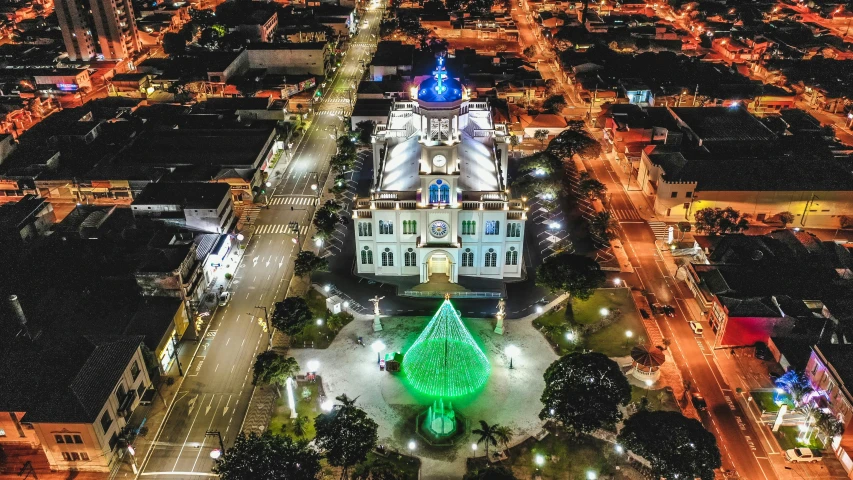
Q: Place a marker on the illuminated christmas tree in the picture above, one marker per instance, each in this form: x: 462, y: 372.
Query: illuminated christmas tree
x: 445, y: 361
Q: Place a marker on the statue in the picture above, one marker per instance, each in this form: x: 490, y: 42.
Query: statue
x: 377, y: 325
x: 499, y: 328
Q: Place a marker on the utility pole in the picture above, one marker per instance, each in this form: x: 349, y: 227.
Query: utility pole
x: 215, y: 433
x: 175, y: 353
x: 591, y: 103
x: 696, y: 95
x: 268, y: 329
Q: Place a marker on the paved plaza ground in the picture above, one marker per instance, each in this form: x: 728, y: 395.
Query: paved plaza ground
x: 510, y: 397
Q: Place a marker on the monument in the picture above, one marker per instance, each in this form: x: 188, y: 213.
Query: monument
x: 499, y: 328
x: 445, y: 361
x: 377, y: 325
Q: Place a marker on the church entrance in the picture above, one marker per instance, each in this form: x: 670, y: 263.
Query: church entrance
x: 439, y: 267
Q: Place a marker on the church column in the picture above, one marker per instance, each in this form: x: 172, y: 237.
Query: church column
x: 454, y: 271
x: 425, y: 271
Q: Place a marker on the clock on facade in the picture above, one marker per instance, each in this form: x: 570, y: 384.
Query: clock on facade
x: 439, y: 160
x: 439, y: 229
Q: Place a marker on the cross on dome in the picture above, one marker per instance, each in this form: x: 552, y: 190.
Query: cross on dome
x: 440, y: 75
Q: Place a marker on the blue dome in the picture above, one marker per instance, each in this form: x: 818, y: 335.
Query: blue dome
x: 441, y: 87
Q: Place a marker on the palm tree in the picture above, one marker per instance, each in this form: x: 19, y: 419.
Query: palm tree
x: 828, y: 425
x: 488, y: 435
x: 299, y: 424
x: 513, y: 142
x: 503, y: 434
x: 604, y: 226
x: 796, y: 384
x: 345, y: 400
x: 541, y: 135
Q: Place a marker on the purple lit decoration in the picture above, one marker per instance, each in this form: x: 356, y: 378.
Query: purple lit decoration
x: 440, y: 74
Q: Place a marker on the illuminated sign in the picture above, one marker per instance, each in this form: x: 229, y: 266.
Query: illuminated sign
x: 67, y: 87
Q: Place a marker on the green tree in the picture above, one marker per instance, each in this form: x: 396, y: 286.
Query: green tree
x: 365, y: 130
x: 590, y: 187
x: 554, y: 103
x: 378, y: 468
x: 266, y: 456
x: 827, y: 424
x: 529, y: 51
x: 786, y: 218
x: 566, y: 272
x: 514, y: 141
x: 796, y: 384
x: 486, y: 435
x: 584, y: 391
x: 503, y: 434
x: 720, y: 220
x: 492, y: 472
x: 572, y: 142
x: 604, y: 226
x: 291, y: 315
x: 300, y: 425
x: 541, y: 135
x: 325, y: 220
x: 273, y: 369
x: 174, y: 44
x: 346, y: 435
x: 307, y: 263
x: 676, y: 446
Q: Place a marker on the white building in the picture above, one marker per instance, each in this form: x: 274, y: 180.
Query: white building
x: 439, y: 205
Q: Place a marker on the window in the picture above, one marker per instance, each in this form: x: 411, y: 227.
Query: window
x: 688, y: 194
x: 113, y: 441
x: 673, y: 195
x: 513, y: 229
x: 366, y: 256
x: 121, y: 392
x: 493, y: 227
x: 106, y: 421
x: 409, y: 258
x: 439, y: 192
x: 387, y: 258
x: 140, y: 390
x: 512, y: 256
x: 386, y: 228
x: 491, y: 258
x: 365, y: 229
x: 59, y: 439
x: 84, y: 456
x: 469, y: 227
x: 134, y: 369
x: 467, y: 258
x: 68, y: 439
x: 78, y: 439
x: 410, y: 227
x: 66, y: 456
x: 2, y: 432
x: 814, y: 369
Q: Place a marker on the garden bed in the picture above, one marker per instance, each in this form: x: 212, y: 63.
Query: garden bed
x: 766, y: 400
x: 305, y: 407
x: 788, y: 438
x: 319, y: 336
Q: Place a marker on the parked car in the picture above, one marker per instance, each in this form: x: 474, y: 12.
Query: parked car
x: 803, y: 455
x: 224, y: 298
x: 696, y: 327
x: 699, y: 402
x: 644, y: 313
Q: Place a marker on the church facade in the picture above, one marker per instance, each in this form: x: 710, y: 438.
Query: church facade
x: 439, y: 203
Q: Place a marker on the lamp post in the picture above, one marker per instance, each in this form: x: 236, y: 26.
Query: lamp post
x: 266, y: 324
x: 628, y: 335
x: 377, y: 347
x: 511, y: 351
x: 648, y: 386
x: 214, y: 454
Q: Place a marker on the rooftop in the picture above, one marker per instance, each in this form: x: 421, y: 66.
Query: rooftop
x: 186, y: 195
x: 723, y: 124
x: 238, y: 148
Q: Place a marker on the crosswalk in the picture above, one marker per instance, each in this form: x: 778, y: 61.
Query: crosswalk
x: 660, y: 229
x: 626, y: 214
x: 290, y: 200
x: 279, y: 228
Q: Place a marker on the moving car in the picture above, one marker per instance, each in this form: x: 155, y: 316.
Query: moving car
x: 224, y: 298
x: 696, y: 327
x: 699, y: 402
x: 803, y: 455
x: 668, y: 310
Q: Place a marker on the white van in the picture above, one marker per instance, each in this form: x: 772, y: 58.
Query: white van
x: 696, y: 327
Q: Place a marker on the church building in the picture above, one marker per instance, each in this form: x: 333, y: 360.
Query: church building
x: 439, y: 207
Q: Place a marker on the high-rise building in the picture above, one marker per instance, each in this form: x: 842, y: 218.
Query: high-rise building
x: 114, y: 24
x: 75, y: 30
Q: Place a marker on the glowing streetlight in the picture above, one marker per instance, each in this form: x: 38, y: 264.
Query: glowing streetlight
x: 540, y: 460
x: 538, y: 308
x: 314, y: 187
x: 377, y: 347
x: 412, y: 445
x: 269, y: 184
x: 313, y: 365
x: 327, y: 406
x: 570, y: 336
x: 346, y: 304
x: 215, y: 453
x: 327, y: 288
x: 590, y: 475
x: 617, y: 281
x: 604, y: 312
x: 240, y: 237
x: 649, y: 384
x: 554, y: 225
x: 319, y: 322
x: 620, y: 449
x: 318, y: 242
x: 511, y: 351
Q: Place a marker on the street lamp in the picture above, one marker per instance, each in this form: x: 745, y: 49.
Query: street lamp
x: 570, y: 335
x: 539, y: 459
x: 313, y: 366
x: 511, y: 351
x: 216, y: 453
x: 319, y: 322
x: 240, y: 237
x: 412, y: 445
x: 377, y: 347
x: 617, y: 281
x: 554, y: 226
x: 538, y: 308
x: 590, y: 475
x: 648, y: 386
x: 604, y: 312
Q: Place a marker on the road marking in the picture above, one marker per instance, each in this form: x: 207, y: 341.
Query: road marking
x: 189, y: 431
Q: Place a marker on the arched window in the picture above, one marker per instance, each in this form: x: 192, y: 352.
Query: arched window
x: 433, y: 193
x: 445, y: 193
x: 409, y: 258
x: 366, y: 256
x: 387, y: 258
x: 513, y: 229
x: 512, y: 256
x: 467, y: 258
x: 493, y: 227
x: 386, y: 228
x: 469, y: 227
x: 410, y: 227
x: 365, y: 229
x: 491, y: 258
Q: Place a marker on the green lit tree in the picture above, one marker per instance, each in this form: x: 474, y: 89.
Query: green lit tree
x: 291, y: 315
x: 541, y: 135
x: 566, y: 272
x: 308, y: 262
x: 346, y: 435
x: 273, y: 369
x: 676, y: 446
x: 325, y: 221
x: 584, y: 391
x: 554, y: 103
x: 266, y: 456
x: 572, y: 142
x: 365, y: 130
x: 827, y: 424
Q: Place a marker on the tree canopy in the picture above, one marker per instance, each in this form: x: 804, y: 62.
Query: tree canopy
x: 590, y: 187
x: 554, y: 104
x: 308, y: 262
x: 676, y: 446
x: 266, y: 456
x: 365, y: 130
x: 291, y: 315
x: 721, y: 220
x: 346, y: 434
x: 492, y: 472
x: 572, y: 142
x: 584, y: 391
x: 566, y: 272
x: 272, y: 368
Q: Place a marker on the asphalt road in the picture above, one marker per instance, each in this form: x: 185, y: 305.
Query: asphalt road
x: 217, y: 387
x: 739, y: 442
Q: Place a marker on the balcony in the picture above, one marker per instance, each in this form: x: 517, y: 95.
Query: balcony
x: 125, y: 408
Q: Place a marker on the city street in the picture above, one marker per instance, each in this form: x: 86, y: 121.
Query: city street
x: 742, y: 448
x: 217, y: 388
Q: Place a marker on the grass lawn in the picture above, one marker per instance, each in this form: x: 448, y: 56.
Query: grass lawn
x: 565, y: 457
x: 658, y: 399
x: 787, y: 436
x: 766, y: 401
x: 305, y: 407
x: 611, y: 340
x: 313, y: 335
x: 557, y: 321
